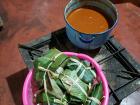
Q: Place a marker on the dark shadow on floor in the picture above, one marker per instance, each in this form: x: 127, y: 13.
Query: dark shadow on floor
x: 135, y: 2
x: 15, y: 82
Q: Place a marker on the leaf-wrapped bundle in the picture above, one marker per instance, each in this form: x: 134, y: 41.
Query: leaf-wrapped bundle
x: 83, y: 69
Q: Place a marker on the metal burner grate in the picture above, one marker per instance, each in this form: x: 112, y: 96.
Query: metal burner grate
x: 119, y: 67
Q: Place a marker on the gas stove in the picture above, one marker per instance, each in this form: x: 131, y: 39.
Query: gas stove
x: 121, y: 70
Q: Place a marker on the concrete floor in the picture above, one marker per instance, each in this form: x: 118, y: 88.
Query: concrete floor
x: 132, y: 99
x: 25, y: 20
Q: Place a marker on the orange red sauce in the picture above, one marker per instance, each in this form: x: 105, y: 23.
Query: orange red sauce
x: 87, y: 20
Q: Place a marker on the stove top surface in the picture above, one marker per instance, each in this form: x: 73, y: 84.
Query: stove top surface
x: 121, y: 70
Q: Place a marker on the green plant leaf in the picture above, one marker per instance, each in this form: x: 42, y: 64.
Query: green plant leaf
x: 84, y: 71
x: 74, y: 86
x: 97, y: 93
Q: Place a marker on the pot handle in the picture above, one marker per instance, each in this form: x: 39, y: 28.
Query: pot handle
x: 86, y: 40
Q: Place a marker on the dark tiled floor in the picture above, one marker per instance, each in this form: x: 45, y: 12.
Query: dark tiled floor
x: 25, y: 20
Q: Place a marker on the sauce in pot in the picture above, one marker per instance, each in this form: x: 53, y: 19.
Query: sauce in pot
x: 88, y: 20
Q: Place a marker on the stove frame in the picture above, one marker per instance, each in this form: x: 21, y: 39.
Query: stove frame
x: 58, y: 39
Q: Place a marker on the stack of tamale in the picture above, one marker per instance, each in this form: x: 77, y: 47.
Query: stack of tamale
x: 64, y: 80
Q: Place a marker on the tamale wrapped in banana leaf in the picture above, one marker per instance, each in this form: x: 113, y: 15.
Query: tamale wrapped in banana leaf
x: 54, y: 60
x: 83, y: 69
x: 54, y: 96
x: 74, y: 86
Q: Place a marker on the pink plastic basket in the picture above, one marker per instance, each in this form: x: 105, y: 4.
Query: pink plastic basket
x: 27, y: 94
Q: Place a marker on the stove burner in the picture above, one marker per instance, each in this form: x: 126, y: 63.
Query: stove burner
x: 120, y: 68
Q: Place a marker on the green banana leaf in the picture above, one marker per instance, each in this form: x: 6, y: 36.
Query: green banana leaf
x: 60, y: 84
x: 41, y: 98
x: 56, y: 91
x: 43, y: 62
x: 57, y: 57
x: 49, y: 59
x: 74, y: 86
x: 74, y: 101
x: 72, y: 65
x: 97, y: 93
x: 84, y: 71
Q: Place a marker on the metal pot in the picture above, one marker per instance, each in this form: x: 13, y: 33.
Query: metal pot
x: 95, y: 40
